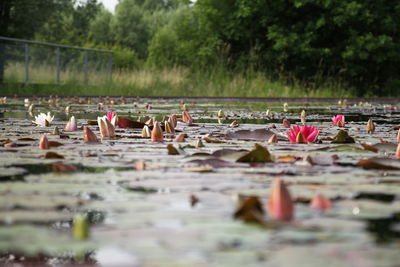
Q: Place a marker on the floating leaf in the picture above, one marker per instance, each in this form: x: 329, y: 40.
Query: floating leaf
x: 343, y: 137
x: 53, y: 155
x: 127, y: 123
x: 174, y: 151
x: 250, y: 210
x: 258, y: 154
x: 212, y: 140
x: 380, y: 164
x: 60, y: 167
x: 250, y: 135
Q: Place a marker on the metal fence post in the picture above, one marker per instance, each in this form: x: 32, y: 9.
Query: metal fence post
x: 85, y: 67
x: 26, y: 79
x: 58, y: 65
x: 22, y: 43
x: 110, y: 59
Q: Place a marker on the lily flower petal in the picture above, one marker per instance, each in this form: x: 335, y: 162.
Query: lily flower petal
x: 146, y: 132
x: 180, y: 138
x: 156, y: 133
x: 338, y: 120
x: 286, y: 123
x: 320, y: 202
x: 71, y: 125
x: 44, y: 142
x: 173, y: 120
x: 303, y: 134
x: 89, y: 136
x: 168, y: 127
x: 398, y: 151
x: 43, y: 120
x: 280, y: 204
x: 186, y: 117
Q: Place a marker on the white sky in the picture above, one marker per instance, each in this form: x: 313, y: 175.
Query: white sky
x: 109, y: 4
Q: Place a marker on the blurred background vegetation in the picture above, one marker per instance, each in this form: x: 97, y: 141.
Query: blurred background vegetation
x: 226, y: 47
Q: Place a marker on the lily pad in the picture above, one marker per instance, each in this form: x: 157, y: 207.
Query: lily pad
x: 258, y: 154
x: 251, y: 135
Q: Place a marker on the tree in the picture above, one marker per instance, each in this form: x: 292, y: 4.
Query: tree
x: 357, y: 41
x: 22, y: 18
x: 100, y: 28
x: 185, y: 41
x: 70, y: 24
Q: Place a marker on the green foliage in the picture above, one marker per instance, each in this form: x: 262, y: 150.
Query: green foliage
x: 301, y: 43
x: 100, y: 28
x: 70, y: 24
x: 129, y: 27
x: 183, y: 41
x: 354, y: 41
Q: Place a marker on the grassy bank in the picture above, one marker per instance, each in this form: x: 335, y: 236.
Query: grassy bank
x: 169, y: 82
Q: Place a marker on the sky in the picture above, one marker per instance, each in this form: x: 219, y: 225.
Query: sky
x: 109, y: 4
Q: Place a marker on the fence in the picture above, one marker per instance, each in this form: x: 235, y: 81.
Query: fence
x: 25, y: 61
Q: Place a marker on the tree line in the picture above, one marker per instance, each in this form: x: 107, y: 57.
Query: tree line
x: 356, y: 42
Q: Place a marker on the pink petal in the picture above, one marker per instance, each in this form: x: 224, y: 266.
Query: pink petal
x: 313, y: 136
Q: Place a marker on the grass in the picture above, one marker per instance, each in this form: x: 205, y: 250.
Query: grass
x: 176, y: 81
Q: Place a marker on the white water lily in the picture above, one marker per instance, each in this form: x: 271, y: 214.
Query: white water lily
x: 43, y: 120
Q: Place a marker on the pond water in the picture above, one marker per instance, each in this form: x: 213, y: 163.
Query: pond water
x: 179, y: 209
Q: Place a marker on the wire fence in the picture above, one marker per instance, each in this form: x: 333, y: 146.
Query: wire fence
x: 24, y: 61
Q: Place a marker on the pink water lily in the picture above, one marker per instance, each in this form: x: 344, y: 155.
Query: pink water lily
x: 302, y: 134
x: 113, y: 118
x: 110, y: 115
x: 338, y: 120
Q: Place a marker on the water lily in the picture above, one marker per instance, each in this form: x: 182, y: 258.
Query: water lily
x: 88, y: 135
x: 320, y: 202
x: 113, y: 118
x: 146, y: 132
x: 199, y: 143
x: 234, y: 124
x: 303, y: 134
x: 168, y: 127
x: 68, y: 109
x: 71, y: 125
x: 398, y: 135
x: 285, y: 107
x: 338, y: 120
x: 397, y: 155
x: 44, y: 142
x: 107, y: 130
x: 273, y: 139
x: 180, y: 138
x: 303, y: 117
x: 286, y: 123
x: 370, y: 126
x: 156, y: 133
x: 43, y: 120
x: 280, y: 204
x: 173, y: 120
x: 186, y: 117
